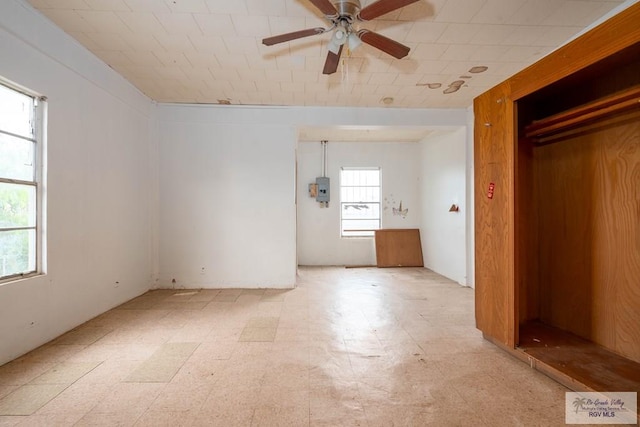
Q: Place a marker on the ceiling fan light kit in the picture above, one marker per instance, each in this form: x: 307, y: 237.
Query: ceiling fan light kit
x: 342, y: 14
x: 354, y: 41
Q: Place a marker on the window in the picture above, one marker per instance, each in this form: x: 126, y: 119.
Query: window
x: 20, y: 192
x: 359, y: 202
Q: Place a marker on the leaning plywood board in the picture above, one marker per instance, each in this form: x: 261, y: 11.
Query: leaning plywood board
x: 398, y: 248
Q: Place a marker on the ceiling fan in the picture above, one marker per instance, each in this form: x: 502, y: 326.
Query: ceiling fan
x: 342, y: 14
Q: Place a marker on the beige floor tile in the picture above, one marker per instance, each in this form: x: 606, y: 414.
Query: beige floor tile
x: 232, y: 406
x: 29, y: 398
x: 124, y: 335
x: 175, y: 319
x: 157, y: 335
x: 7, y: 389
x: 272, y: 295
x: 135, y: 351
x: 263, y: 322
x: 82, y: 335
x: 156, y: 371
x: 181, y: 305
x: 291, y: 377
x: 66, y: 373
x: 381, y: 392
x: 250, y: 352
x: 331, y: 411
x: 20, y: 372
x: 280, y: 395
x: 181, y: 397
x: 110, y: 372
x: 199, y: 371
x: 258, y: 335
x: 353, y: 347
x: 238, y: 417
x: 220, y: 350
x: 188, y: 333
x: 334, y: 389
x: 52, y: 353
x: 118, y: 419
x: 227, y: 296
x: 292, y: 334
x: 291, y: 351
x: 10, y: 421
x: 95, y: 353
x: 205, y: 295
x: 176, y: 350
x: 164, y: 363
x: 128, y: 398
x: 51, y: 420
x: 269, y: 416
x: 78, y: 398
x: 229, y: 376
x: 526, y: 414
x: 153, y: 418
x: 340, y: 420
x: 143, y: 302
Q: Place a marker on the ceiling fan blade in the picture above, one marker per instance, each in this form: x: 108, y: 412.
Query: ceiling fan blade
x: 269, y: 41
x: 325, y: 7
x: 382, y: 7
x: 331, y: 64
x: 385, y: 44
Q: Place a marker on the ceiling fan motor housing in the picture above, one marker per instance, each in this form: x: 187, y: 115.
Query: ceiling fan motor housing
x: 347, y: 8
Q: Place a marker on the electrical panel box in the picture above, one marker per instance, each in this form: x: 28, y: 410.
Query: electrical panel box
x: 323, y: 189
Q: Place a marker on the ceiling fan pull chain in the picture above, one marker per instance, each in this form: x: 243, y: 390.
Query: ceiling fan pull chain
x: 344, y: 68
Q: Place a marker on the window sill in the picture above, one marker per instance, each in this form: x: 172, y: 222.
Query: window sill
x: 20, y: 277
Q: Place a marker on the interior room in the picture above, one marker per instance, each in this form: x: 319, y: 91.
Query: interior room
x: 181, y: 270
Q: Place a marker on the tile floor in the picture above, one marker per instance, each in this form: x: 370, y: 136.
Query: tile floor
x: 347, y: 347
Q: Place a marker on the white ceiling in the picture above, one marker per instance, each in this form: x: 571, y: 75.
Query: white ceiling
x: 210, y: 51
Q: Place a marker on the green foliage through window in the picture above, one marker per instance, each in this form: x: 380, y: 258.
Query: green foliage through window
x: 18, y: 185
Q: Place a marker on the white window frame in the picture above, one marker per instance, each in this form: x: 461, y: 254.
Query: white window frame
x: 365, y: 232
x: 39, y: 173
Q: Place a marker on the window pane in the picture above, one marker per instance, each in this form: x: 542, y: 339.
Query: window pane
x: 360, y: 202
x: 17, y: 252
x: 16, y: 112
x: 360, y: 224
x: 360, y: 194
x: 16, y: 158
x: 360, y: 211
x: 346, y: 177
x: 359, y: 233
x: 17, y: 205
x: 370, y: 177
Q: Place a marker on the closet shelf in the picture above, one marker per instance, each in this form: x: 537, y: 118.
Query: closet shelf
x: 585, y: 114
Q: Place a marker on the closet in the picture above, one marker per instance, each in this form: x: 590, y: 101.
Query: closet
x: 557, y: 199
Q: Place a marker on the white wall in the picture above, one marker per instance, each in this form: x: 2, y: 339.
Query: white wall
x: 443, y: 182
x: 319, y: 241
x: 227, y: 188
x: 99, y: 184
x: 227, y: 206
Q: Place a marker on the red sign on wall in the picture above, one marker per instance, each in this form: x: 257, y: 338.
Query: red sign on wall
x: 492, y: 187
